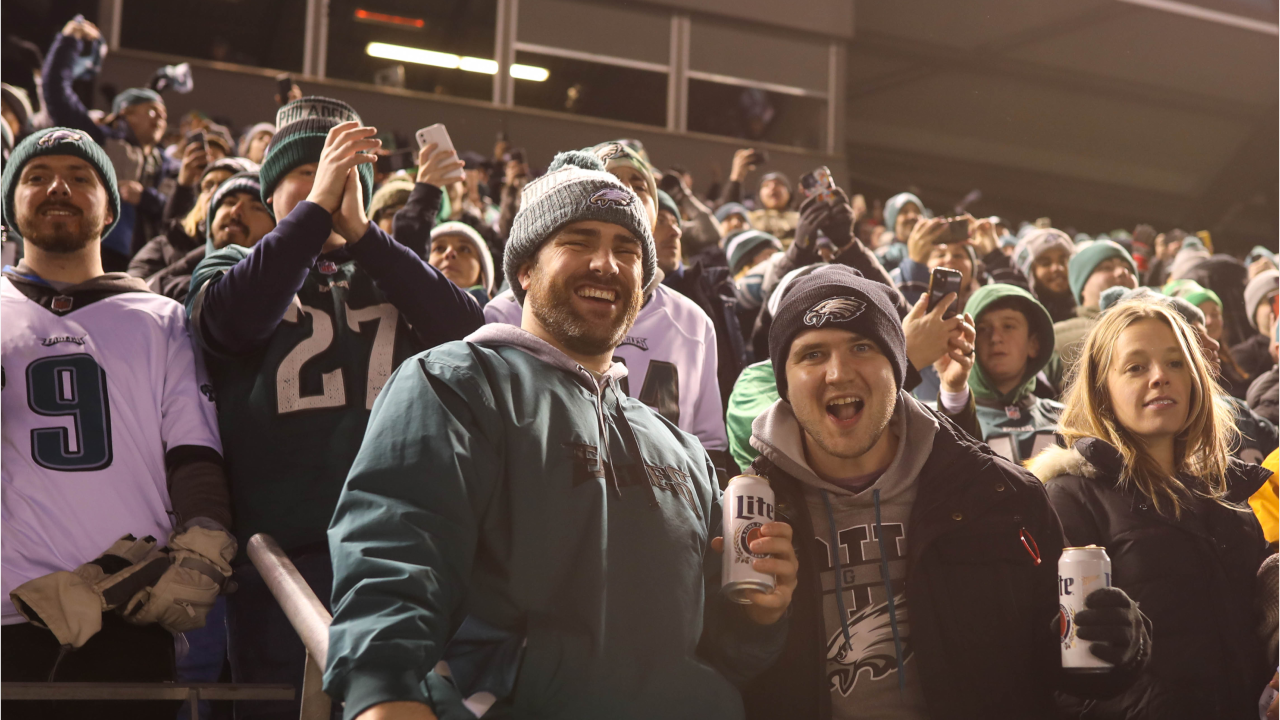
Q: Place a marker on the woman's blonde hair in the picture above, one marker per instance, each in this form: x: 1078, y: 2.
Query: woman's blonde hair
x: 1201, y: 449
x: 191, y: 223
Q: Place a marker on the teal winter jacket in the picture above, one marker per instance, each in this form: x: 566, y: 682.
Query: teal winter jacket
x: 520, y: 520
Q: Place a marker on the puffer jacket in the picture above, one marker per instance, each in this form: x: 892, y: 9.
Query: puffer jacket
x: 1193, y: 576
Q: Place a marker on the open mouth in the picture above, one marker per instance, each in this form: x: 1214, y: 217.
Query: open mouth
x: 1160, y: 403
x: 60, y: 213
x: 597, y: 294
x: 846, y: 409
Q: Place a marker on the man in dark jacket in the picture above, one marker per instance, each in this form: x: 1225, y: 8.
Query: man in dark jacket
x: 959, y: 620
x: 556, y: 553
x: 130, y: 134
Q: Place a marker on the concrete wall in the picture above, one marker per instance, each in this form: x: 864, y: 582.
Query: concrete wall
x: 245, y: 96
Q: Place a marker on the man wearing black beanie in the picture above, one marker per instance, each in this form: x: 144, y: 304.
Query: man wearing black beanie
x: 906, y: 510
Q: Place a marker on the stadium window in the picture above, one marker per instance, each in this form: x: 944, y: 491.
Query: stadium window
x: 263, y: 33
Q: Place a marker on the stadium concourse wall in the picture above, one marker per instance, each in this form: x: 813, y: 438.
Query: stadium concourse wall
x: 245, y: 95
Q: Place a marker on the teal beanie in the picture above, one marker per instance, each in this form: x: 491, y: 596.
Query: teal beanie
x: 134, y: 96
x: 59, y: 141
x: 1090, y: 256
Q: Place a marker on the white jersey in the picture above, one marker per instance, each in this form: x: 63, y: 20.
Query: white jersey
x: 92, y: 401
x: 670, y: 354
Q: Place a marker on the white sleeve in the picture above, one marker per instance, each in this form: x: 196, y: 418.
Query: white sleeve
x: 188, y: 415
x: 708, y: 413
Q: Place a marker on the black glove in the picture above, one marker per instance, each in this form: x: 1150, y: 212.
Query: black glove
x: 814, y: 214
x: 1113, y: 621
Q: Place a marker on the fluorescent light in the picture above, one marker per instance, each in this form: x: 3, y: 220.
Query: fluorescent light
x: 480, y: 65
x: 411, y: 55
x: 529, y: 72
x: 419, y: 56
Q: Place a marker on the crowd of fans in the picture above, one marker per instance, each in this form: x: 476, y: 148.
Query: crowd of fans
x: 307, y: 274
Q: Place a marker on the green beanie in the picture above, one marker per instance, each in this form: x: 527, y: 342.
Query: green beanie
x: 300, y: 140
x: 1090, y: 256
x: 1039, y: 325
x: 1191, y: 291
x: 134, y: 96
x: 59, y: 141
x: 666, y: 202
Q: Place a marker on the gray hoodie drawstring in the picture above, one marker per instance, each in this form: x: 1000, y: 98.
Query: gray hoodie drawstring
x: 605, y: 457
x: 884, y: 571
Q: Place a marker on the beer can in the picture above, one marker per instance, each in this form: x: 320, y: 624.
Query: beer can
x: 748, y: 505
x: 1080, y: 571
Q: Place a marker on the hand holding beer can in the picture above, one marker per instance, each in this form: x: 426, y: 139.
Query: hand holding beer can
x: 1080, y: 571
x: 748, y: 505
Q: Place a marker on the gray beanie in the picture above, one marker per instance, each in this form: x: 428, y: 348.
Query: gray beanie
x: 575, y: 188
x: 1036, y: 242
x: 481, y: 248
x: 1262, y: 285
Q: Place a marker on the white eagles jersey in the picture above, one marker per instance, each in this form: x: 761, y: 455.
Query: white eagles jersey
x: 96, y: 390
x: 670, y: 354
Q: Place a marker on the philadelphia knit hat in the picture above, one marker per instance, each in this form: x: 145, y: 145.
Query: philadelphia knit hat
x: 665, y: 202
x: 1262, y: 286
x: 303, y: 126
x: 575, y: 188
x: 59, y: 141
x: 894, y: 205
x: 479, y: 246
x: 837, y: 297
x: 732, y: 208
x: 134, y: 96
x: 246, y: 182
x: 1036, y: 242
x: 1191, y: 291
x: 616, y: 153
x: 743, y: 245
x: 1090, y: 256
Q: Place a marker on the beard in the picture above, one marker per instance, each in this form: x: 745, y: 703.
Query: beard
x: 62, y: 237
x: 225, y: 234
x: 551, y: 301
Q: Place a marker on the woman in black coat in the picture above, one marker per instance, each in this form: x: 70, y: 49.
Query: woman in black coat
x: 1148, y: 475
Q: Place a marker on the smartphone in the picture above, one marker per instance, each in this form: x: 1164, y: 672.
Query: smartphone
x: 199, y: 137
x: 959, y: 229
x: 819, y: 183
x: 942, y: 281
x: 284, y: 84
x: 440, y: 136
x: 759, y: 157
x: 669, y: 183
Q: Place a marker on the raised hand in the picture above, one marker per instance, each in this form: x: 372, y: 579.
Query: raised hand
x: 347, y: 146
x: 767, y: 608
x: 435, y: 168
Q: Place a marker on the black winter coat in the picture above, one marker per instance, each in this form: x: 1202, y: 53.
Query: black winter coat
x: 1194, y: 577
x: 167, y: 261
x: 981, y: 608
x: 1262, y: 397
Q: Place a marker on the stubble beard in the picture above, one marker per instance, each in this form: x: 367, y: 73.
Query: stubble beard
x: 878, y: 424
x: 61, y: 240
x: 552, y: 304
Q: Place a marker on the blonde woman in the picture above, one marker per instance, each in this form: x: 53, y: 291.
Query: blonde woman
x: 1149, y: 476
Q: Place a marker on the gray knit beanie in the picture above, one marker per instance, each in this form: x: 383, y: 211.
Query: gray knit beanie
x: 1259, y: 288
x: 575, y: 188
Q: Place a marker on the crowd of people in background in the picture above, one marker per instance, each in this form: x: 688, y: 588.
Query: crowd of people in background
x: 305, y: 273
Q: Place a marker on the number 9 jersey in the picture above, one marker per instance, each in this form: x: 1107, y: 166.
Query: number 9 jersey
x: 98, y: 387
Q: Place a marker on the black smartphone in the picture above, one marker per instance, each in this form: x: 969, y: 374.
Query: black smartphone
x: 942, y: 281
x: 959, y: 229
x: 199, y: 137
x: 759, y: 157
x: 284, y: 84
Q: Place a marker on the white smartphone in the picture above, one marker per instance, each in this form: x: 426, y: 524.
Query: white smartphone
x: 440, y: 136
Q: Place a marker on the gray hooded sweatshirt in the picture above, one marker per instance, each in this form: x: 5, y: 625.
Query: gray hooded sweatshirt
x: 868, y: 652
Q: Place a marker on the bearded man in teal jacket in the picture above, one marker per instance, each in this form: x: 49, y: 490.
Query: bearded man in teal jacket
x: 517, y: 538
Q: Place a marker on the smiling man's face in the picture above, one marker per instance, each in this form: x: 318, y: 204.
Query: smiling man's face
x: 60, y: 203
x: 583, y: 286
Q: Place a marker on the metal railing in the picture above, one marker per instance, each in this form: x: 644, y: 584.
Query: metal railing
x: 306, y: 614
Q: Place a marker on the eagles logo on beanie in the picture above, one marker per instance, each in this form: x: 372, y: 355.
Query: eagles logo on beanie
x: 837, y: 297
x: 303, y: 126
x: 575, y: 188
x: 59, y: 141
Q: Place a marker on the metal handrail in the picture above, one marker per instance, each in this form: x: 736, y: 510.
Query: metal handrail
x: 305, y: 611
x: 306, y: 614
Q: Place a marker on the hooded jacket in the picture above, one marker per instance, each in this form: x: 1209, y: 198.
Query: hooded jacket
x: 510, y: 510
x: 1016, y: 424
x: 1193, y: 576
x: 980, y: 604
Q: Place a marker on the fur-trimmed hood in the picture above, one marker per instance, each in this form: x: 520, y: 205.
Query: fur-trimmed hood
x: 1054, y: 461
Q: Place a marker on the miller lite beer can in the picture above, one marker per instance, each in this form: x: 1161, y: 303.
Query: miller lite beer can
x: 1080, y: 571
x: 748, y: 505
